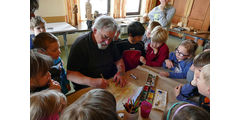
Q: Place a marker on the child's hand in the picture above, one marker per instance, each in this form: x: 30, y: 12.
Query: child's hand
x: 177, y: 90
x: 164, y: 74
x: 54, y: 85
x: 169, y: 63
x: 142, y: 60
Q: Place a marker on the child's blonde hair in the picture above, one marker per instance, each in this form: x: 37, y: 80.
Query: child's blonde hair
x: 159, y: 34
x: 202, y: 59
x: 43, y: 39
x: 35, y: 21
x: 97, y: 104
x: 191, y: 47
x: 153, y: 24
x: 205, y: 74
x: 46, y: 103
x: 185, y: 111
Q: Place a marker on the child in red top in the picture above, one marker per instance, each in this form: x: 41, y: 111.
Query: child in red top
x: 157, y: 50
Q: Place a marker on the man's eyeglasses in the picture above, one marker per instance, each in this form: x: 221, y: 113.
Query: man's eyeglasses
x: 104, y: 37
x: 180, y: 54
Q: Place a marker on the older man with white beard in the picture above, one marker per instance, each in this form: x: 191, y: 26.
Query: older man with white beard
x: 94, y: 58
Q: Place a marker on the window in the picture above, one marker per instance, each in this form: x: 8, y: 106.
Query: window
x: 133, y: 7
x: 102, y: 6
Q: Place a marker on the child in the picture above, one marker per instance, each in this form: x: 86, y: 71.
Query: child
x: 206, y: 59
x: 37, y: 25
x: 186, y: 92
x: 186, y: 111
x: 132, y: 48
x: 97, y: 104
x: 146, y: 38
x: 157, y: 50
x: 50, y: 44
x: 203, y: 83
x: 47, y: 105
x: 180, y: 60
x: 40, y: 78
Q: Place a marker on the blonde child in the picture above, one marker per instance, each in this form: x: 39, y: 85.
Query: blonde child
x: 146, y: 37
x: 37, y: 25
x: 97, y: 104
x: 186, y: 111
x: 157, y: 50
x: 50, y: 44
x: 180, y: 61
x: 40, y: 78
x: 47, y: 105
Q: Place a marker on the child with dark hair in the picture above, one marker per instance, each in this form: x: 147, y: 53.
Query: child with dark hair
x: 190, y: 90
x: 181, y: 60
x: 50, y: 44
x: 185, y: 111
x: 40, y: 78
x: 132, y: 48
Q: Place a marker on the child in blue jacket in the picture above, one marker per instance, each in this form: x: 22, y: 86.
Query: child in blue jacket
x: 180, y: 61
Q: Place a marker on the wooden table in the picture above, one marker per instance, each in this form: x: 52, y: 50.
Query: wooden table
x: 122, y: 94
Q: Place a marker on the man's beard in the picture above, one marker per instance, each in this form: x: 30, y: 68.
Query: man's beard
x: 102, y: 46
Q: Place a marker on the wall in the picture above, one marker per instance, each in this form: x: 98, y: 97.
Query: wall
x: 50, y: 8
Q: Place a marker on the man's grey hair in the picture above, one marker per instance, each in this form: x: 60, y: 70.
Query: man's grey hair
x: 105, y: 22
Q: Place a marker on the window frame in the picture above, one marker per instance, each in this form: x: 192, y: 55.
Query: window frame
x: 136, y: 13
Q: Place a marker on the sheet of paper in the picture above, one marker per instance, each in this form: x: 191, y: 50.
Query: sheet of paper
x: 160, y: 100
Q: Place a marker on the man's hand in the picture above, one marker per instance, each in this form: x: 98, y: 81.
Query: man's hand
x: 164, y: 74
x: 177, y: 90
x: 169, y: 63
x: 142, y: 60
x: 101, y: 83
x: 119, y: 78
x: 54, y: 85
